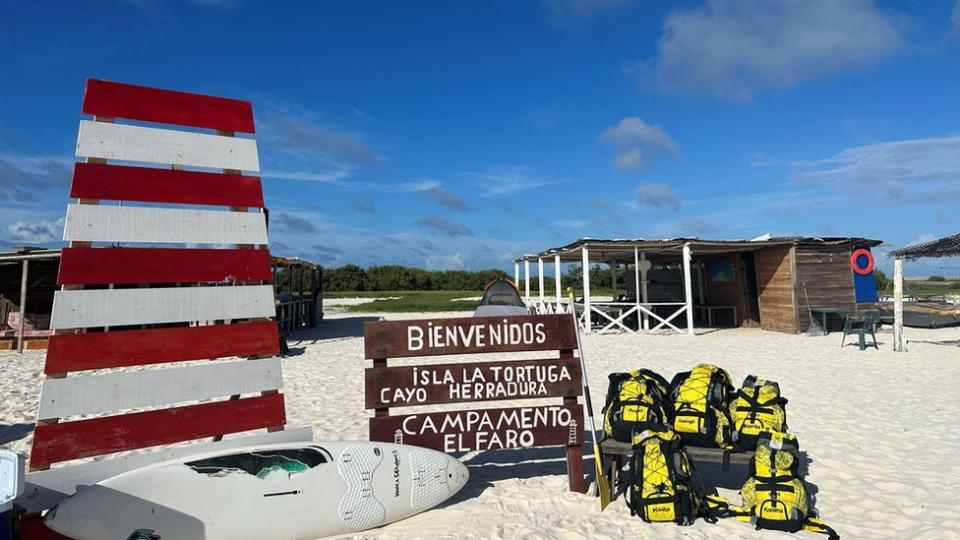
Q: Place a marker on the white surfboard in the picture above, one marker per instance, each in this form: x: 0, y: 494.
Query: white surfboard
x: 286, y: 491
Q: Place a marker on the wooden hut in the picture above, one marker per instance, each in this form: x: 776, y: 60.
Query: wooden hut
x: 687, y: 282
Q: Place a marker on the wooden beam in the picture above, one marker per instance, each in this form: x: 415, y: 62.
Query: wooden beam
x: 124, y: 348
x: 688, y: 286
x: 120, y: 100
x: 149, y: 184
x: 23, y: 304
x: 95, y: 266
x: 119, y: 390
x: 64, y: 441
x: 134, y: 224
x: 898, y: 341
x: 164, y: 146
x: 125, y: 307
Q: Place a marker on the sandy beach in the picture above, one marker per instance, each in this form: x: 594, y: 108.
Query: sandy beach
x: 879, y: 429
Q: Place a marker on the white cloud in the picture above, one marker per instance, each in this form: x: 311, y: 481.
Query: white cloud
x: 334, y: 175
x: 36, y: 233
x: 655, y: 195
x: 504, y: 180
x: 636, y: 141
x: 572, y: 223
x: 297, y: 144
x: 735, y: 49
x: 891, y: 164
x: 454, y: 261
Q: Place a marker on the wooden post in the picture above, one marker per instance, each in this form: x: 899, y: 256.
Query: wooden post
x: 516, y: 273
x: 898, y: 304
x: 643, y: 287
x: 613, y: 278
x: 688, y: 287
x: 585, y: 261
x: 636, y: 286
x: 574, y: 451
x: 556, y: 279
x: 526, y: 280
x: 540, y: 277
x: 301, y: 303
x: 23, y: 305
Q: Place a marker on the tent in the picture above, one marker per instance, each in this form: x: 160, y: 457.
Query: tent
x: 501, y: 298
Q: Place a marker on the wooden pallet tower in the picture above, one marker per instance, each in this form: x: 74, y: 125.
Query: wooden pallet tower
x: 136, y: 290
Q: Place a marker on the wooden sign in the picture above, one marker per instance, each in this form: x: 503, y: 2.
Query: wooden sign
x: 484, y: 429
x: 402, y: 339
x: 477, y: 428
x: 457, y: 383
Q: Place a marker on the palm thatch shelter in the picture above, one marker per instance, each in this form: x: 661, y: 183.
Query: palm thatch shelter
x: 948, y: 246
x: 676, y: 283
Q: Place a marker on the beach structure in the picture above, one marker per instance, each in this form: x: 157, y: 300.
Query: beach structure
x: 676, y: 284
x: 123, y: 305
x: 948, y: 246
x: 28, y: 279
x: 30, y: 273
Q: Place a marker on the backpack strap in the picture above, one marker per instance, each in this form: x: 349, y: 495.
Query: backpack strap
x: 613, y: 390
x: 813, y: 524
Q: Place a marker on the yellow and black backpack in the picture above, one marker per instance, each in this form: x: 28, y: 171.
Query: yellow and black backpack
x: 662, y: 480
x: 635, y: 401
x: 699, y: 398
x: 775, y: 495
x: 757, y: 407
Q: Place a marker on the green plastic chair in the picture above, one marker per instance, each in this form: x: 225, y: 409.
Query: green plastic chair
x: 867, y: 322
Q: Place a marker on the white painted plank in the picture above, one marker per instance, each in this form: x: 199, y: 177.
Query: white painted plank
x: 46, y: 488
x: 134, y: 224
x: 122, y: 307
x: 151, y: 145
x: 94, y: 394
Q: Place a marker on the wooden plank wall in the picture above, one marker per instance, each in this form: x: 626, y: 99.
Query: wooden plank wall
x: 775, y: 286
x: 829, y: 280
x: 727, y: 293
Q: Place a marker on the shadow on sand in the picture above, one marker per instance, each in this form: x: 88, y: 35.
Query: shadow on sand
x: 14, y: 432
x: 346, y: 327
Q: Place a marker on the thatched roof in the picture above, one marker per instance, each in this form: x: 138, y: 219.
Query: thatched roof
x: 948, y: 246
x: 601, y: 249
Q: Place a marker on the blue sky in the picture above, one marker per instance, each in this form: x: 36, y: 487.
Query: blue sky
x: 463, y: 134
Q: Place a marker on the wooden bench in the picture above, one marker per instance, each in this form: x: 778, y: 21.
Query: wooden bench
x: 615, y: 453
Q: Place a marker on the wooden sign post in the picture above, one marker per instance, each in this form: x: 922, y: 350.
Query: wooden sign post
x: 479, y: 381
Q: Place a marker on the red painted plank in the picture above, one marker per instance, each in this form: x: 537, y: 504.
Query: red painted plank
x: 92, y: 266
x: 121, y: 100
x: 53, y: 443
x: 101, y: 350
x: 32, y: 528
x: 122, y: 183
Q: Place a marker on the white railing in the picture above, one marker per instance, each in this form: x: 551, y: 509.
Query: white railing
x: 614, y: 314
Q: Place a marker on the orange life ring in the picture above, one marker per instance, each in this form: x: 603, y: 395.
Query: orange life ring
x: 854, y: 264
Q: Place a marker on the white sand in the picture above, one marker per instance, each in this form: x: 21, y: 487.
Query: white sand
x: 880, y: 428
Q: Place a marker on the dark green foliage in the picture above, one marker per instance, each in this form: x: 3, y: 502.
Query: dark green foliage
x: 883, y: 282
x: 400, y: 278
x: 936, y: 278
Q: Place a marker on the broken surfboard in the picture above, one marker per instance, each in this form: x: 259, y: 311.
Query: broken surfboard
x: 284, y: 491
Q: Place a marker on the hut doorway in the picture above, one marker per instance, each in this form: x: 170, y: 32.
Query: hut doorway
x: 752, y: 315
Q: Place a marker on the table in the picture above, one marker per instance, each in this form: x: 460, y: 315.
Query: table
x: 711, y: 316
x: 825, y: 313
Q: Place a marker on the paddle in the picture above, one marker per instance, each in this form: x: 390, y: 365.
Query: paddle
x: 602, y: 485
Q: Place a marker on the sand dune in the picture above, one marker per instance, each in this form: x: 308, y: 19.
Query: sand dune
x: 879, y: 428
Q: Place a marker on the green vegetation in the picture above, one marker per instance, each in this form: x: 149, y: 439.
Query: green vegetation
x: 400, y: 278
x: 934, y: 285
x: 413, y: 301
